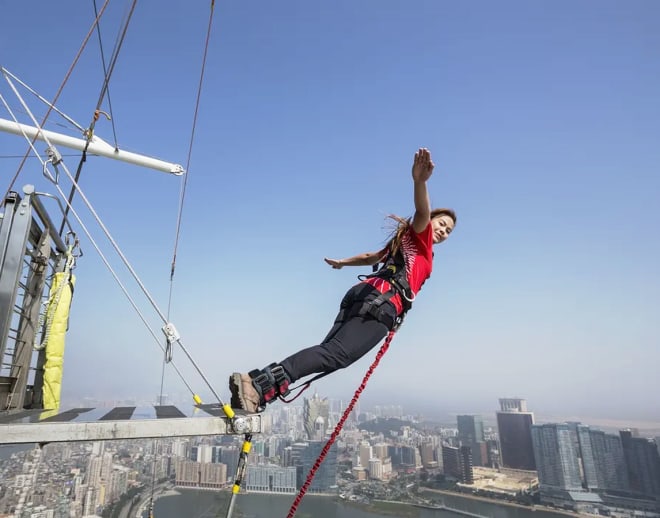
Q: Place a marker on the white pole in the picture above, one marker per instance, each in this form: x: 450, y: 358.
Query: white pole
x: 97, y: 146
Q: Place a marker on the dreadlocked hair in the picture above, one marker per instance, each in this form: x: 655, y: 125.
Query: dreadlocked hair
x: 403, y: 224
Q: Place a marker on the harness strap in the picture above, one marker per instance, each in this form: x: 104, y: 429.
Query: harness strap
x: 394, y: 272
x: 270, y: 382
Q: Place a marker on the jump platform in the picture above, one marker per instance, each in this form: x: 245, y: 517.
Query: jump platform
x: 100, y: 424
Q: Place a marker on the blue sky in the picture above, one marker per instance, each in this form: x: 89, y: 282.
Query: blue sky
x: 542, y: 118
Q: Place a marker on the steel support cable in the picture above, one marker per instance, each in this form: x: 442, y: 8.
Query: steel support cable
x: 6, y: 72
x: 96, y: 247
x: 58, y: 93
x: 190, y: 147
x: 89, y: 133
x: 182, y: 195
x: 19, y: 156
x: 340, y: 425
x: 138, y: 281
x: 105, y: 73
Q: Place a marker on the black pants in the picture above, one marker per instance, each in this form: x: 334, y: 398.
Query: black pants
x: 351, y: 337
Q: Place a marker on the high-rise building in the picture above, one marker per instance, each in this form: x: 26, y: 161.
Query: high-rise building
x: 325, y: 480
x: 587, y: 457
x: 271, y: 478
x: 427, y: 450
x: 457, y: 462
x: 228, y: 455
x: 513, y: 405
x: 403, y: 457
x: 471, y: 433
x: 364, y: 454
x: 375, y: 468
x: 611, y: 469
x: 642, y: 462
x: 514, y: 424
x: 180, y: 448
x: 187, y: 473
x: 380, y: 450
x: 316, y: 414
x: 556, y: 457
x: 212, y: 476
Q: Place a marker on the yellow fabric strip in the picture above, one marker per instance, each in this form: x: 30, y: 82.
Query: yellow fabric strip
x: 54, y: 345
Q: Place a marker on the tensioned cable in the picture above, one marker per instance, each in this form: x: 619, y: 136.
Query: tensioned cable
x: 340, y: 424
x: 19, y: 156
x: 43, y: 100
x: 98, y: 250
x: 121, y: 255
x: 105, y: 74
x: 59, y: 92
x: 104, y: 89
x: 190, y: 147
x: 168, y: 355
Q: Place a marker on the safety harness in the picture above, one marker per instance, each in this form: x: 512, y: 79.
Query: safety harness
x: 393, y: 271
x: 273, y: 382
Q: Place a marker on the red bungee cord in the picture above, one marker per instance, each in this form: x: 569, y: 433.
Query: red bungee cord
x: 340, y: 425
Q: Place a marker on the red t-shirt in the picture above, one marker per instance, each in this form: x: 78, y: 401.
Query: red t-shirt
x: 417, y: 251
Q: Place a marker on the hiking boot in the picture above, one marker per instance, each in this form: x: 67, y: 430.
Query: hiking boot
x: 243, y: 393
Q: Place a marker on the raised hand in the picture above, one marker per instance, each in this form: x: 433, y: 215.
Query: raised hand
x: 422, y: 167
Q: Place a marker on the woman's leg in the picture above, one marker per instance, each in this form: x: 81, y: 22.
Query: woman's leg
x: 345, y: 344
x: 350, y: 338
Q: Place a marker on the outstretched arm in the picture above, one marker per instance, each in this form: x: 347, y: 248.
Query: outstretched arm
x: 366, y: 259
x: 422, y: 170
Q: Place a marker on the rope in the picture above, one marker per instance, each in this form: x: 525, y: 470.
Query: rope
x: 106, y: 74
x: 57, y: 95
x: 340, y: 425
x: 184, y: 182
x: 167, y: 358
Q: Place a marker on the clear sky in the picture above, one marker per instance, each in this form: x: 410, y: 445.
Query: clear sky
x: 543, y: 119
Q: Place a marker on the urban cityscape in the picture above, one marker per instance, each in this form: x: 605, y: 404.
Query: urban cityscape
x: 382, y: 455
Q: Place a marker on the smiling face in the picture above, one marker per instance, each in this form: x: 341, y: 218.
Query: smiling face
x: 442, y: 226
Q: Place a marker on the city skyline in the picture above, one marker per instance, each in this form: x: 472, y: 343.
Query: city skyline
x: 577, y: 465
x: 368, y: 405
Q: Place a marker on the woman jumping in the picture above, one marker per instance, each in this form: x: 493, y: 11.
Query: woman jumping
x: 370, y: 309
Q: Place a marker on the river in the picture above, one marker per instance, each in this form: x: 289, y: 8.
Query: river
x: 209, y: 504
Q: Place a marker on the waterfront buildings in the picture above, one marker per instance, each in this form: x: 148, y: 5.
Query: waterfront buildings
x: 514, y: 424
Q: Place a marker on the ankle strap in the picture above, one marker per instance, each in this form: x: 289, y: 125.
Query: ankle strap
x: 271, y: 382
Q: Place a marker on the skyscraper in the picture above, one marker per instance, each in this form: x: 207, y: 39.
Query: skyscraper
x: 471, y: 434
x: 556, y: 457
x: 611, y: 469
x: 587, y: 457
x: 457, y: 462
x: 514, y: 425
x: 643, y: 463
x: 316, y: 413
x: 513, y: 405
x: 325, y: 480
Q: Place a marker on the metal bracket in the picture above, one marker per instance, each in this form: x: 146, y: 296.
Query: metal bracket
x: 171, y: 333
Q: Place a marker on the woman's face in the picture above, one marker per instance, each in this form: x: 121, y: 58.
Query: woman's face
x: 442, y: 226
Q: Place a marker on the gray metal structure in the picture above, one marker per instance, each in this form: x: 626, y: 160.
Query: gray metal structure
x: 31, y: 251
x: 98, y: 424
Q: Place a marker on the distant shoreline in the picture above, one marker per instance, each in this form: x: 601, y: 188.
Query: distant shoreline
x: 537, y: 507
